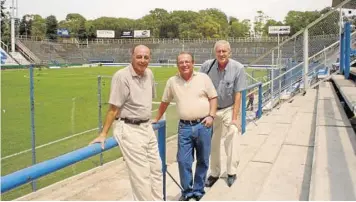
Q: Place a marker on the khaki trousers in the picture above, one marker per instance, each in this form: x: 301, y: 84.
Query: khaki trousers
x: 139, y: 147
x: 222, y: 128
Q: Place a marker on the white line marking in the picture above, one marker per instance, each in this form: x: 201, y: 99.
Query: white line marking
x: 50, y: 143
x: 44, y: 145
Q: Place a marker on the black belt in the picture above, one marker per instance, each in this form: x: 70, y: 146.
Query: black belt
x: 220, y: 108
x: 191, y: 122
x: 133, y: 121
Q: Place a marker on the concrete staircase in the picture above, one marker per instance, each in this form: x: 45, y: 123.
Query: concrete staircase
x: 306, y: 150
x: 276, y: 155
x: 334, y: 162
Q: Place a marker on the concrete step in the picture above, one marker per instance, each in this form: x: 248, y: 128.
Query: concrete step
x: 250, y: 143
x: 279, y: 149
x: 334, y: 162
x: 289, y: 177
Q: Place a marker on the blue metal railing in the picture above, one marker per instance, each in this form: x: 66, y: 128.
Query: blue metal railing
x: 345, y: 52
x: 244, y: 98
x: 36, y: 171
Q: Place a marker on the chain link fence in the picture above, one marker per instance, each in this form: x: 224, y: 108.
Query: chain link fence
x: 287, y: 59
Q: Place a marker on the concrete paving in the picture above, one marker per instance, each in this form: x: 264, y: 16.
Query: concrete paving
x: 277, y: 165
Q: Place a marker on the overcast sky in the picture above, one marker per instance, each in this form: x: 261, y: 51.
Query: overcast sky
x: 90, y: 9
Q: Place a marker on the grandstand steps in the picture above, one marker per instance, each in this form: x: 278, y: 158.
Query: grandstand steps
x: 334, y: 163
x: 276, y: 155
x: 19, y: 58
x: 6, y: 58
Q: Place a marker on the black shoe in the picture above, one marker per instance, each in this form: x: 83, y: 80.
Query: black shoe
x: 211, y: 181
x: 231, y: 179
x: 197, y: 198
x: 183, y: 198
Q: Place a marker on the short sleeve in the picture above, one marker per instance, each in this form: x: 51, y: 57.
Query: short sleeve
x: 240, y: 80
x: 154, y: 91
x: 204, y: 66
x: 119, y: 91
x: 168, y: 93
x: 210, y: 89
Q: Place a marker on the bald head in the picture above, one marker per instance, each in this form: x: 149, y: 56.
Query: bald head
x: 140, y: 47
x: 141, y: 56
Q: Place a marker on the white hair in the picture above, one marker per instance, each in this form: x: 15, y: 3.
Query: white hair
x: 222, y: 42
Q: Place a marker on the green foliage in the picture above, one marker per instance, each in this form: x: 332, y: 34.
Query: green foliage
x: 299, y: 20
x: 52, y: 26
x: 75, y: 23
x: 208, y: 23
x: 5, y: 24
x: 38, y: 26
x: 25, y: 25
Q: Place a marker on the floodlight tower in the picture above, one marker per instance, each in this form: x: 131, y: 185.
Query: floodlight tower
x: 13, y: 26
x: 13, y: 17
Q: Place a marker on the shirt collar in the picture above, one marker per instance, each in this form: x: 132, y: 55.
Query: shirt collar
x: 226, y: 66
x: 194, y: 74
x: 133, y: 73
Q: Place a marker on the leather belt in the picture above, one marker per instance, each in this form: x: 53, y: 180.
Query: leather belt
x: 220, y: 108
x: 133, y: 121
x: 192, y: 122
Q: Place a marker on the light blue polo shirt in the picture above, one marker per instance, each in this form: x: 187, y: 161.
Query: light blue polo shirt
x: 227, y: 82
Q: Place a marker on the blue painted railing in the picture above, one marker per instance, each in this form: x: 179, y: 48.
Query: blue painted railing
x: 346, y: 51
x: 36, y: 171
x: 243, y: 108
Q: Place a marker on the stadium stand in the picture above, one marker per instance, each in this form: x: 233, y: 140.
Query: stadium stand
x: 167, y: 50
x: 6, y: 59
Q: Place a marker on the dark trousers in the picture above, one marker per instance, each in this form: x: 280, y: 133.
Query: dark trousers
x: 250, y: 102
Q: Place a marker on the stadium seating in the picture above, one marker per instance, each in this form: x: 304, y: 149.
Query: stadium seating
x: 165, y: 51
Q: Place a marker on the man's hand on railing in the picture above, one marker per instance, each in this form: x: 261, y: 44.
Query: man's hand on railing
x: 100, y: 139
x: 237, y: 123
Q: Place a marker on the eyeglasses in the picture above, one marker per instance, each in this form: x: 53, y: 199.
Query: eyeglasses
x: 185, y: 61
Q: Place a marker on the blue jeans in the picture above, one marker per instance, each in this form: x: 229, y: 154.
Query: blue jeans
x: 193, y: 138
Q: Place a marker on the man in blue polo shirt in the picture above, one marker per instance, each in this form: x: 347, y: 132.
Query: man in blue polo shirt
x: 229, y: 79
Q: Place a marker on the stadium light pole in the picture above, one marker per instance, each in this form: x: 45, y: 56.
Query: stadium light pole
x: 13, y: 26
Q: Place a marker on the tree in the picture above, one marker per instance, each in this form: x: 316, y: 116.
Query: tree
x: 216, y: 16
x: 298, y: 20
x: 90, y: 30
x: 5, y: 24
x: 38, y: 26
x: 26, y: 25
x: 209, y: 28
x: 259, y: 23
x: 73, y: 22
x: 155, y: 19
x: 52, y: 26
x: 239, y: 29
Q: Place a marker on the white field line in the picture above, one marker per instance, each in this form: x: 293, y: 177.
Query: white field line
x: 50, y: 143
